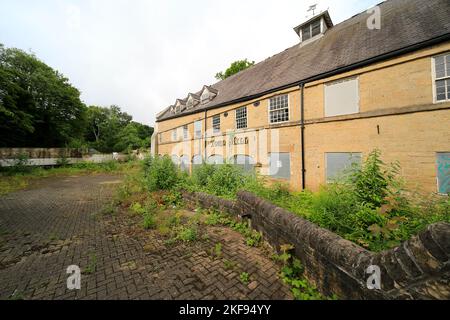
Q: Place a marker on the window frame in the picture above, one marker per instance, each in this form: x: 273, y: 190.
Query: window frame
x: 196, y: 131
x: 216, y: 126
x: 435, y: 79
x: 288, y: 107
x: 310, y: 29
x: 246, y: 118
x: 174, y: 135
x: 185, y: 132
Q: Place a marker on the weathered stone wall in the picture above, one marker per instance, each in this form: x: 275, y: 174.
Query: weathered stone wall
x: 40, y: 153
x: 418, y: 269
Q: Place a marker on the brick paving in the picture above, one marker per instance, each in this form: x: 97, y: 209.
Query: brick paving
x: 58, y: 223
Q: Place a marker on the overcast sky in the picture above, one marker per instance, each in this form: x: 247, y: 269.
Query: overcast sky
x: 143, y: 54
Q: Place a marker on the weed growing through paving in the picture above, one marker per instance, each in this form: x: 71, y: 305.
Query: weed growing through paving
x: 245, y: 278
x: 92, y: 265
x: 229, y: 265
x: 217, y: 251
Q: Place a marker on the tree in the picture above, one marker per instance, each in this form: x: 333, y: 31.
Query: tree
x: 38, y: 105
x: 235, y: 67
x: 111, y: 130
x: 40, y: 108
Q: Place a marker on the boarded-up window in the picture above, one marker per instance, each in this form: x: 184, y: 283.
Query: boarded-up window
x: 197, y: 161
x: 340, y: 164
x: 443, y: 172
x: 342, y: 97
x: 280, y: 165
x: 245, y: 162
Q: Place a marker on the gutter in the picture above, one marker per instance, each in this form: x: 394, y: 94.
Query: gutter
x: 327, y: 74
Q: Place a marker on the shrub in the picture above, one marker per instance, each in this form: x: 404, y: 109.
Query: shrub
x: 149, y: 221
x: 187, y: 233
x: 201, y: 174
x: 226, y: 181
x: 161, y: 173
x: 373, y: 181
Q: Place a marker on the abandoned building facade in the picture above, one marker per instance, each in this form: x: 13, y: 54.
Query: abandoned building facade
x: 306, y: 114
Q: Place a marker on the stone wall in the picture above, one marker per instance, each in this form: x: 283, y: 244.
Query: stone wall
x: 418, y: 269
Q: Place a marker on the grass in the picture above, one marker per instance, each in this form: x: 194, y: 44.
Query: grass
x: 12, y: 180
x: 92, y: 265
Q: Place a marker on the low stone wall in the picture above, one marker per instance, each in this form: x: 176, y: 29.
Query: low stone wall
x: 418, y: 269
x: 40, y: 153
x: 51, y: 156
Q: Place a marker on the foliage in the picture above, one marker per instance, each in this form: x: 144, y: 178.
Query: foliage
x: 149, y: 221
x: 244, y: 277
x: 201, y: 174
x: 111, y: 130
x: 235, y: 67
x: 39, y: 107
x: 372, y: 182
x: 186, y: 233
x: 292, y: 274
x: 161, y: 173
x: 12, y: 179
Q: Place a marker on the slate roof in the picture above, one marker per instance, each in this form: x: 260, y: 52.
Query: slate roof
x: 404, y: 24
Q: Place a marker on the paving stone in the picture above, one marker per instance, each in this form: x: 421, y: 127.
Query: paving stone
x: 55, y: 224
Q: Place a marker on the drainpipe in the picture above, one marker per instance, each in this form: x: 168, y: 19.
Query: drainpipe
x: 206, y: 128
x: 302, y: 132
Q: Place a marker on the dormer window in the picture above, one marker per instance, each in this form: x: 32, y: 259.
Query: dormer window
x: 179, y: 106
x: 314, y: 27
x: 207, y: 95
x: 192, y: 101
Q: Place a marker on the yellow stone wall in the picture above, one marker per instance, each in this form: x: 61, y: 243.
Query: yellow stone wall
x: 393, y: 87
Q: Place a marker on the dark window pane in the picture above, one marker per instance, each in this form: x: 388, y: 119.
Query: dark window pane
x: 440, y: 67
x: 306, y: 33
x: 316, y: 28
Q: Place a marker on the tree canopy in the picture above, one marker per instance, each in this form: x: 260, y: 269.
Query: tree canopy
x: 40, y: 108
x: 235, y: 67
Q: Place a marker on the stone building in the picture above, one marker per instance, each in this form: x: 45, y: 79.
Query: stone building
x: 380, y: 79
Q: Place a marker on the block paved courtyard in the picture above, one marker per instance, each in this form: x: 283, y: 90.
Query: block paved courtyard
x: 58, y: 222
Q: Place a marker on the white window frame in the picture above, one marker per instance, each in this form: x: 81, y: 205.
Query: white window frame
x: 174, y: 134
x: 246, y: 118
x: 288, y: 107
x: 185, y: 132
x: 196, y: 131
x: 310, y: 30
x: 214, y: 125
x: 435, y: 79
